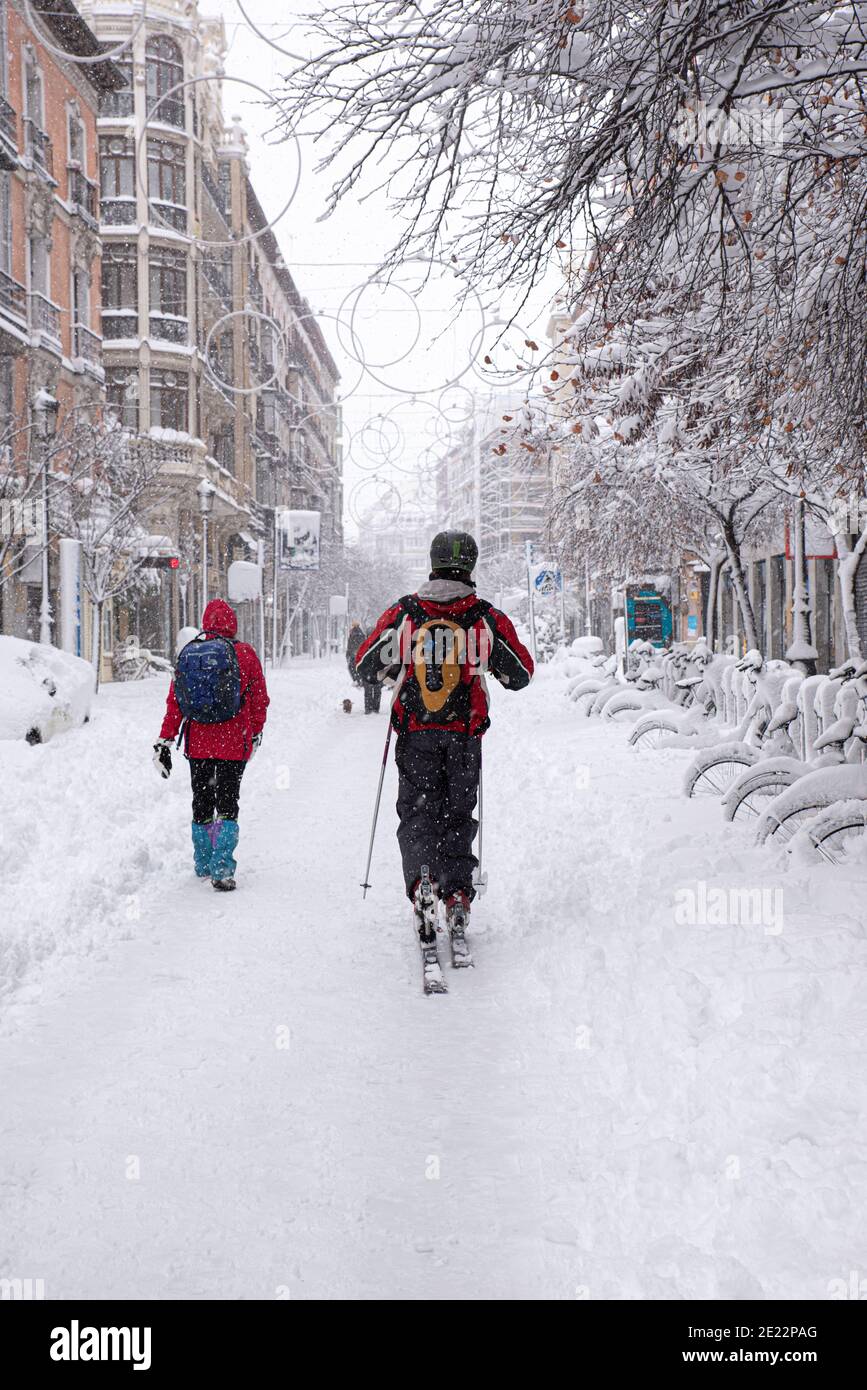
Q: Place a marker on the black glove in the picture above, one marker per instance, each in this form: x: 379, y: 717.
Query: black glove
x: 163, y: 757
x: 257, y: 743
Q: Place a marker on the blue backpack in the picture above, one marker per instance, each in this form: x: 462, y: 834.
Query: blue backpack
x: 208, y: 680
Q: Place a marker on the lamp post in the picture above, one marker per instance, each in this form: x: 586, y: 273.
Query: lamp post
x: 45, y: 409
x: 205, y: 492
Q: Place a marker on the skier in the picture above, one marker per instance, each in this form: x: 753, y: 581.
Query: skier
x: 436, y: 646
x: 219, y: 701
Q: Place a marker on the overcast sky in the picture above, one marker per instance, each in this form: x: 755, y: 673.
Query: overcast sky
x: 410, y: 337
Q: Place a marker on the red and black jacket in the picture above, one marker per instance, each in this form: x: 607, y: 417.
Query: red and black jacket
x: 387, y: 654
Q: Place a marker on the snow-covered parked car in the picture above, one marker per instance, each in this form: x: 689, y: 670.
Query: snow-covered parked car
x: 43, y: 691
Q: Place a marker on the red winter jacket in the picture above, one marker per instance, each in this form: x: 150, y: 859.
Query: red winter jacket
x: 232, y: 740
x: 387, y: 652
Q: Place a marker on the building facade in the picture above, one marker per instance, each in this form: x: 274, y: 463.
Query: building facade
x: 50, y: 263
x: 212, y: 358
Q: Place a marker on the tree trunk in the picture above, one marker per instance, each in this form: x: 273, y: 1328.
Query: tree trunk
x: 847, y: 564
x: 717, y: 560
x: 801, y: 653
x: 96, y: 638
x: 739, y: 580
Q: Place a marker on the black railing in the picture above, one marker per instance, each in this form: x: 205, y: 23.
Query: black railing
x: 167, y: 110
x: 170, y: 215
x: 117, y: 103
x: 119, y: 323
x: 118, y: 212
x: 170, y: 330
x: 88, y: 345
x: 8, y: 134
x: 13, y: 297
x: 82, y: 194
x: 44, y: 316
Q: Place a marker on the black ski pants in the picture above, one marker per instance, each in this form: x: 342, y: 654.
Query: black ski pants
x: 216, y: 788
x: 438, y: 787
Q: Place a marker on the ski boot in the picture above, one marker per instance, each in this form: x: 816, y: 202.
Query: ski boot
x: 458, y: 919
x: 224, y: 885
x: 424, y: 905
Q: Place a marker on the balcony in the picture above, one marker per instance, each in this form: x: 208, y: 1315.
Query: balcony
x: 119, y: 323
x: 87, y: 345
x: 38, y: 148
x: 169, y: 215
x: 8, y: 136
x: 170, y: 328
x: 13, y: 299
x: 118, y: 212
x: 83, y: 195
x: 45, y: 319
x: 113, y: 105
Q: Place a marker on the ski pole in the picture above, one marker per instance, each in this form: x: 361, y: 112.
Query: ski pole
x: 481, y: 877
x: 366, y: 884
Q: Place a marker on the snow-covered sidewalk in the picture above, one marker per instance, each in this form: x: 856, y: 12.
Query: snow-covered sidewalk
x: 250, y: 1097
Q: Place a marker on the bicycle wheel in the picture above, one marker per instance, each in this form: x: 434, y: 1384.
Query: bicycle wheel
x: 833, y: 830
x: 714, y: 770
x: 758, y: 789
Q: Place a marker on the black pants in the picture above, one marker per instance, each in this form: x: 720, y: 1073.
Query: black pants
x: 438, y: 788
x: 372, y: 697
x: 216, y: 788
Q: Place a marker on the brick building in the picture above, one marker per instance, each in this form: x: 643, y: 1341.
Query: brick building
x: 50, y: 271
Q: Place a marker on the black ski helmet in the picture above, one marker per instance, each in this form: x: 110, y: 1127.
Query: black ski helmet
x: 454, y: 550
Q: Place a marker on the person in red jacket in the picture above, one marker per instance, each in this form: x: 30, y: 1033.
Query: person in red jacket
x: 437, y: 646
x: 217, y: 754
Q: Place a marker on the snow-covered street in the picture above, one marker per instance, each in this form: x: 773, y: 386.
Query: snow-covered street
x: 250, y: 1098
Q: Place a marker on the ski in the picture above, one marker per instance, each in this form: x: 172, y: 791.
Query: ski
x: 462, y: 956
x: 425, y: 917
x: 457, y: 918
x: 432, y: 971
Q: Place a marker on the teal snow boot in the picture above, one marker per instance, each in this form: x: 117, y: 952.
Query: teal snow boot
x: 203, y: 849
x: 223, y: 866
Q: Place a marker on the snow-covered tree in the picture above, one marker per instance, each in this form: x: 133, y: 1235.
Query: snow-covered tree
x: 108, y: 511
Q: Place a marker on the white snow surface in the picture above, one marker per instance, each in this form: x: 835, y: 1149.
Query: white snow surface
x: 244, y: 1097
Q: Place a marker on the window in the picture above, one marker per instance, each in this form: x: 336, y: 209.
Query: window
x: 119, y: 103
x: 117, y: 177
x: 5, y: 223
x: 121, y: 395
x: 165, y: 71
x: 4, y: 78
x: 168, y: 293
x: 81, y: 297
x: 38, y: 265
x: 223, y: 447
x: 119, y: 291
x: 167, y: 182
x: 169, y: 400
x: 76, y: 141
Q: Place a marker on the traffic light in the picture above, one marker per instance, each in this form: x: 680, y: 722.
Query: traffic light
x: 160, y: 562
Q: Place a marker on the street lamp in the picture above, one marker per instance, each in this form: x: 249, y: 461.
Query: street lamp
x: 45, y: 409
x: 205, y: 492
